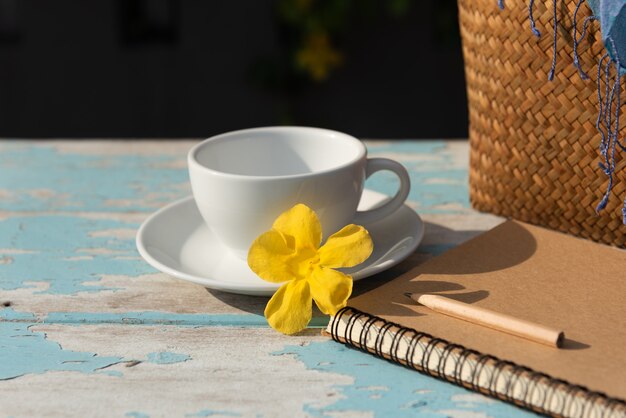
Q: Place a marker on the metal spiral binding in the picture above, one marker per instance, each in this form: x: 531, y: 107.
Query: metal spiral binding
x: 482, y: 373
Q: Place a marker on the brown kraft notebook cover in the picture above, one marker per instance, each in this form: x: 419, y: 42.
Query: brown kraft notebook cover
x: 524, y: 271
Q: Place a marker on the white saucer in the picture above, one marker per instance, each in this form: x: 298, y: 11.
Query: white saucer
x: 176, y: 241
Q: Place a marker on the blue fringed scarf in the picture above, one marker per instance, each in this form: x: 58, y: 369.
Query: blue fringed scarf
x: 612, y: 17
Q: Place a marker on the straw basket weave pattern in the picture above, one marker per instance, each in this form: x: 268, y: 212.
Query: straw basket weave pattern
x: 534, y: 144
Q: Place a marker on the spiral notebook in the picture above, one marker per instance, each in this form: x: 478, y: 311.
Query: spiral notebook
x: 521, y: 270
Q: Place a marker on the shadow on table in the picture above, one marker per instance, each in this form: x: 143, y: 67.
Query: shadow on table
x: 508, y: 245
x: 437, y: 239
x: 250, y: 304
x: 434, y: 235
x: 475, y: 262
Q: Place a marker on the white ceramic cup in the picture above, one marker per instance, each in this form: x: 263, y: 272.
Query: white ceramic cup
x: 243, y: 180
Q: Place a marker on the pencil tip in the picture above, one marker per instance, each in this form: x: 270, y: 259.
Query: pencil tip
x: 408, y: 295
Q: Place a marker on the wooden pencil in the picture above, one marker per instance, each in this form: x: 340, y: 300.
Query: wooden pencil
x: 488, y: 318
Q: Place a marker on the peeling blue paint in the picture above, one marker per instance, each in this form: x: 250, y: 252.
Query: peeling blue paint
x: 88, y: 182
x: 166, y: 357
x: 39, y: 178
x: 422, y: 147
x: 147, y: 318
x: 23, y: 351
x: 157, y: 318
x: 79, y: 182
x: 213, y: 412
x: 10, y: 314
x: 411, y: 393
x: 53, y: 241
x: 450, y: 195
x: 135, y: 414
x: 168, y: 318
x: 76, y: 182
x: 436, y: 185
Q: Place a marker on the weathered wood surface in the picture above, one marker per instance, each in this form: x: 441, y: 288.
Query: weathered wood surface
x: 88, y: 329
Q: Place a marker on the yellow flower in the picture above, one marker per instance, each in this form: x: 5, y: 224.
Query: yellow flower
x: 290, y: 252
x: 318, y: 57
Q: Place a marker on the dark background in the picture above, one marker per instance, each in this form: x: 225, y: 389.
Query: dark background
x: 194, y: 68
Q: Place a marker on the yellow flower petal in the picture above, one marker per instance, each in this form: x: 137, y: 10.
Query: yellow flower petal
x: 330, y: 289
x: 269, y: 257
x: 302, y: 224
x: 289, y: 310
x: 347, y: 248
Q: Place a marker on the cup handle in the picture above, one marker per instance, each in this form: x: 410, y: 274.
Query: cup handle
x: 378, y: 164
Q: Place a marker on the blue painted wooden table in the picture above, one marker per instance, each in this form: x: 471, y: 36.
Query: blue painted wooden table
x: 87, y: 328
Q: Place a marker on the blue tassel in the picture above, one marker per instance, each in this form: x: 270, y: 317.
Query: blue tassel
x: 618, y: 88
x: 582, y: 74
x: 600, y: 101
x: 533, y: 27
x: 556, y: 22
x: 604, y: 201
x: 606, y: 139
x: 607, y: 122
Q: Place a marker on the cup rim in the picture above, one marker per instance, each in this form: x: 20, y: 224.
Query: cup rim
x: 193, y: 162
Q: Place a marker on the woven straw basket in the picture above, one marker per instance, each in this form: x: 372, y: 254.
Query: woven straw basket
x: 534, y: 145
